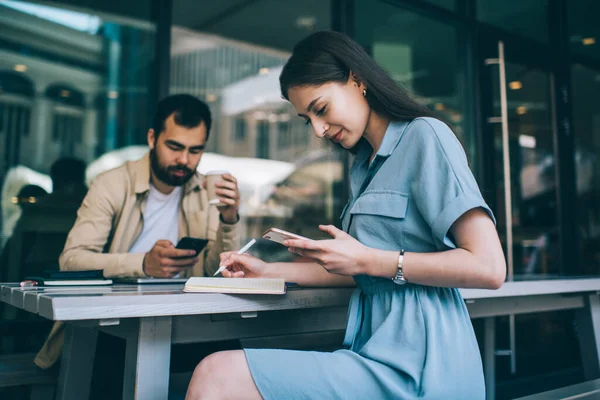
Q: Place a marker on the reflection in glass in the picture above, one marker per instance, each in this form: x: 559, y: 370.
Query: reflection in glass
x: 288, y: 178
x: 73, y: 84
x: 584, y: 30
x: 408, y: 46
x: 448, y: 4
x: 532, y: 164
x: 524, y: 18
x: 586, y: 124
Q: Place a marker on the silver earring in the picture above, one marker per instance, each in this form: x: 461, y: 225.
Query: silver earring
x: 365, y: 92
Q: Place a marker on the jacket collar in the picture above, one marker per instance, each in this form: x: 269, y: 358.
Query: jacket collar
x: 141, y: 177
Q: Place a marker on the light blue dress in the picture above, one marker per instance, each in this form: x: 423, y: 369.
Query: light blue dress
x: 402, y: 342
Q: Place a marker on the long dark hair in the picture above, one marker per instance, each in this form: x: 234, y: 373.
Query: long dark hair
x: 328, y: 56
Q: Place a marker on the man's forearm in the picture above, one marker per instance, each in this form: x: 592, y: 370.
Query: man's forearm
x: 113, y: 265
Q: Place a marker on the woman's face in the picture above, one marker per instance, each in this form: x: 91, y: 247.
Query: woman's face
x: 337, y: 111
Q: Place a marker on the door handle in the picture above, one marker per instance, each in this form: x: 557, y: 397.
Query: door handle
x: 503, y: 121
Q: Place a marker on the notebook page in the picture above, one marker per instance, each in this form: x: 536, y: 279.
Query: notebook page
x: 242, y: 284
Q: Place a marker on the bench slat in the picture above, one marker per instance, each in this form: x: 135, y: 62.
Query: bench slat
x: 581, y: 391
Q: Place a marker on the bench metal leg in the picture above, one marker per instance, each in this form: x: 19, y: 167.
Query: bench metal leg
x: 147, y: 360
x: 588, y: 324
x: 77, y: 363
x: 489, y: 357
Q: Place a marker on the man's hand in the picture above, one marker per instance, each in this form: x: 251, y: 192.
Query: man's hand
x: 229, y: 194
x: 165, y: 261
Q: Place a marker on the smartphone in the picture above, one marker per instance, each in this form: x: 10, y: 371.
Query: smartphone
x: 279, y: 235
x: 190, y: 243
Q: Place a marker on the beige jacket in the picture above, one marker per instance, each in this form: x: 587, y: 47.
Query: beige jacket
x: 111, y: 218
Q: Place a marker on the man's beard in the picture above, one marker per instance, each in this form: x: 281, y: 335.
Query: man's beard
x: 165, y: 174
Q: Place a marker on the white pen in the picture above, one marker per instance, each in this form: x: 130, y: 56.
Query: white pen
x: 242, y: 251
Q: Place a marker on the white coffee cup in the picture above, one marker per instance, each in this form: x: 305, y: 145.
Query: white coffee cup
x: 212, y: 177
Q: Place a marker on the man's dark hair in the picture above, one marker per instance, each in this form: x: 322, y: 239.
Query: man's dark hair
x: 66, y: 171
x: 189, y: 112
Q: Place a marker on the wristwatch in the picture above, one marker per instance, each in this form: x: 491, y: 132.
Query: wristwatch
x: 399, y: 278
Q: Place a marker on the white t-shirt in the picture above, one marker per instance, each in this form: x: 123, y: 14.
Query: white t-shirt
x: 161, y: 220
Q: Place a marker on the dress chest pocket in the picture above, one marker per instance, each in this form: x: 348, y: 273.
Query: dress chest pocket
x: 378, y: 216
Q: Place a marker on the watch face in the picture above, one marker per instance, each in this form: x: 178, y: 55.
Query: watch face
x: 399, y: 281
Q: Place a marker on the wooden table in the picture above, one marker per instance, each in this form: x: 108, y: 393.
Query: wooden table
x: 153, y: 317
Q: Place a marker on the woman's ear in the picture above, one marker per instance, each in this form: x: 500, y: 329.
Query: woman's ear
x: 355, y: 79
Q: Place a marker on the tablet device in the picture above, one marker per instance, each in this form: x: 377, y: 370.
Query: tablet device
x: 140, y: 281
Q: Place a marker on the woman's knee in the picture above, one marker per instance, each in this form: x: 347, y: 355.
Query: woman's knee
x: 209, y: 377
x: 206, y: 364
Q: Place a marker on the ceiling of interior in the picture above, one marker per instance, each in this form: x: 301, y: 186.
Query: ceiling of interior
x: 263, y: 22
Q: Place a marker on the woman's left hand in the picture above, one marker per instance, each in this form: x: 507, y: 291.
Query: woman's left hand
x: 342, y: 255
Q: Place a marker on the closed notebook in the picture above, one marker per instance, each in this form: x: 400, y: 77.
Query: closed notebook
x: 235, y: 285
x: 71, y: 278
x: 68, y: 282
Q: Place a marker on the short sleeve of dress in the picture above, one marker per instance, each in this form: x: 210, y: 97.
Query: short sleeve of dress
x: 443, y: 187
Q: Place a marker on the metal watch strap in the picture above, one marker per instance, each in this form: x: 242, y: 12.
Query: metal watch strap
x: 399, y: 278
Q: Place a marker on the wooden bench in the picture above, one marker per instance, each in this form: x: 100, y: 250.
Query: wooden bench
x: 582, y: 391
x: 19, y: 370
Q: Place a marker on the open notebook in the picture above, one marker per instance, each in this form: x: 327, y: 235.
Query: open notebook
x: 235, y: 285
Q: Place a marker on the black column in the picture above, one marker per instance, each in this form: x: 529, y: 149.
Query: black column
x: 564, y: 139
x: 162, y: 11
x: 342, y: 20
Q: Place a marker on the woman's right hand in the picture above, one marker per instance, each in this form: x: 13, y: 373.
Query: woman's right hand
x: 242, y: 265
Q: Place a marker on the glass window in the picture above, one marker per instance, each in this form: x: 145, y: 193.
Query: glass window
x: 265, y: 23
x: 240, y: 130
x: 526, y: 18
x: 26, y: 121
x: 283, y: 132
x: 584, y: 30
x: 262, y: 139
x: 74, y: 84
x: 586, y: 124
x: 408, y: 46
x: 231, y: 57
x: 534, y: 219
x: 298, y: 132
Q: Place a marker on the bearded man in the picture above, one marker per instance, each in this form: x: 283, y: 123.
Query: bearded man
x: 133, y: 216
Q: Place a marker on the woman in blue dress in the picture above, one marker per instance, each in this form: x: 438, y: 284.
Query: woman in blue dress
x: 415, y: 228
